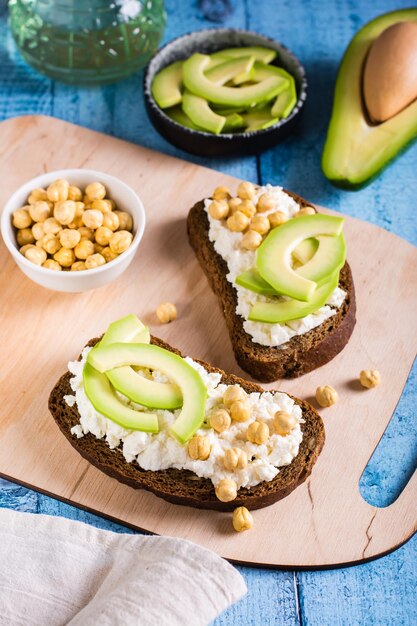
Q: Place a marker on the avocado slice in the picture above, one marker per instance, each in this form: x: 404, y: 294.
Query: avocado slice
x: 193, y: 390
x: 285, y: 102
x: 273, y: 256
x: 127, y: 329
x: 234, y: 122
x: 262, y: 71
x: 178, y: 115
x: 229, y: 69
x: 305, y: 250
x: 244, y: 77
x: 167, y: 84
x: 198, y: 110
x: 197, y: 82
x: 104, y: 399
x: 280, y: 312
x: 259, y: 119
x: 356, y: 150
x: 266, y: 55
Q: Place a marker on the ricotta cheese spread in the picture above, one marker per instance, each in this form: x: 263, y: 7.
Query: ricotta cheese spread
x: 161, y: 451
x: 227, y: 245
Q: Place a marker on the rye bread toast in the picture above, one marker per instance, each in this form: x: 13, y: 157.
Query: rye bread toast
x: 182, y: 486
x: 303, y: 353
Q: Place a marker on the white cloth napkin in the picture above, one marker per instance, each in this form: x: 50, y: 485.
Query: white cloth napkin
x: 55, y: 571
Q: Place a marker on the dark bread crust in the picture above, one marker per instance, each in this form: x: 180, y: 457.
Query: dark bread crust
x: 182, y: 486
x: 302, y: 353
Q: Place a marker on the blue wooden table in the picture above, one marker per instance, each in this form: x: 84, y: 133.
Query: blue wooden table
x: 382, y: 592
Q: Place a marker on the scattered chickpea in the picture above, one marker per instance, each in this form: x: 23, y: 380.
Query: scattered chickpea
x: 84, y: 249
x: 308, y: 210
x: 242, y: 519
x: 370, y: 378
x: 251, y: 240
x: 105, y: 206
x: 246, y: 191
x: 39, y: 211
x: 235, y: 458
x: 240, y: 411
x: 58, y: 191
x: 233, y: 393
x: 277, y: 218
x: 120, y: 241
x: 51, y: 225
x: 65, y: 257
x: 86, y: 233
x: 64, y: 211
x: 326, y: 396
x: 103, y: 235
x: 166, y: 312
x: 265, y: 203
x: 75, y: 193
x: 125, y: 220
x: 50, y: 264
x: 284, y: 423
x: 257, y: 432
x: 226, y: 490
x: 199, y: 448
x: 220, y: 420
x: 69, y: 238
x: 218, y: 209
x: 108, y: 254
x: 234, y: 204
x: 37, y: 195
x: 50, y: 243
x: 36, y: 255
x: 221, y: 193
x: 238, y: 222
x: 247, y: 208
x: 78, y: 266
x: 94, y: 260
x: 95, y: 191
x: 24, y: 236
x: 21, y: 218
x: 112, y: 221
x: 92, y: 218
x: 261, y: 224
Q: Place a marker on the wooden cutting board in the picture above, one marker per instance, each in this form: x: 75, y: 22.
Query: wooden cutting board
x: 323, y: 523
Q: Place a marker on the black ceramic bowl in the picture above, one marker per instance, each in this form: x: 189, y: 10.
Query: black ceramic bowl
x: 207, y: 144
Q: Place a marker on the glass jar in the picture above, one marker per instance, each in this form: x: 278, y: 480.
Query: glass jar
x: 87, y: 42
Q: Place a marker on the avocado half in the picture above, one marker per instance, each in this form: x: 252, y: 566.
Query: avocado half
x: 356, y: 150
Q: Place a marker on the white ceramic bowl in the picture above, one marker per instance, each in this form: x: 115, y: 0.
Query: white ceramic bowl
x: 126, y: 200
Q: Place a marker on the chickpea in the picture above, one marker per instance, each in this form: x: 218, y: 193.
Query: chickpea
x: 38, y: 243
x: 235, y: 458
x: 326, y: 396
x: 50, y: 264
x: 38, y: 230
x: 199, y: 448
x: 94, y: 260
x: 277, y: 218
x: 166, y: 312
x: 257, y: 432
x: 105, y: 206
x: 92, y: 218
x: 95, y: 191
x: 58, y: 191
x: 221, y: 193
x: 64, y: 211
x: 247, y: 207
x: 51, y: 225
x: 240, y: 411
x: 87, y: 202
x: 284, y: 423
x: 218, y: 209
x: 65, y: 257
x: 265, y: 203
x: 36, y: 255
x: 242, y: 519
x: 76, y: 223
x: 108, y: 254
x: 220, y: 420
x: 39, y: 211
x: 308, y: 210
x: 50, y: 243
x: 234, y: 204
x: 111, y: 221
x: 24, y: 236
x: 370, y: 378
x: 226, y: 490
x: 246, y: 191
x: 261, y: 224
x: 37, y: 195
x: 79, y: 209
x: 120, y: 241
x: 125, y: 220
x: 21, y: 218
x: 238, y: 222
x: 69, y: 238
x: 103, y: 235
x: 84, y: 249
x: 251, y: 240
x: 78, y: 266
x: 75, y: 193
x: 98, y: 248
x: 233, y: 393
x: 86, y: 233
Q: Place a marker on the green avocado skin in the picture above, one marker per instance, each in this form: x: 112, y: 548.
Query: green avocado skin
x: 344, y: 166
